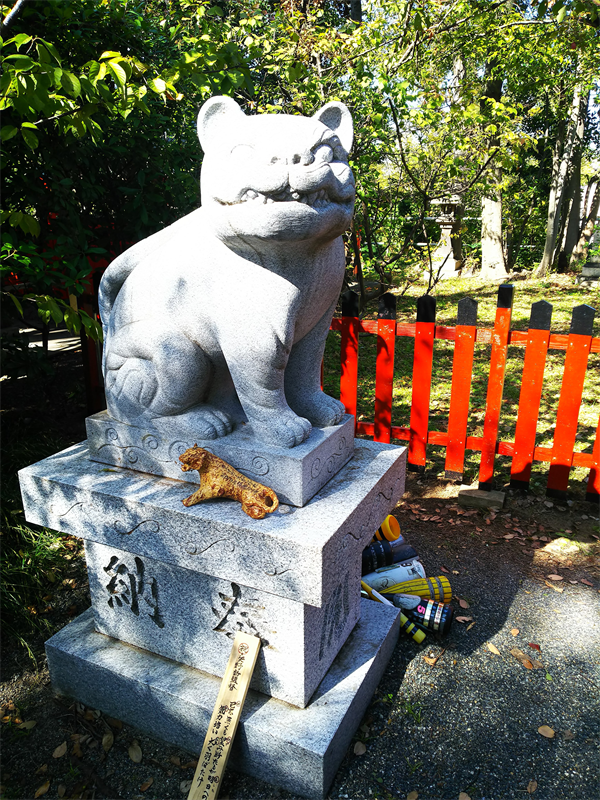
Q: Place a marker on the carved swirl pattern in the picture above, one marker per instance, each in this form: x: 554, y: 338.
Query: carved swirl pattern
x: 176, y: 449
x: 150, y: 442
x: 60, y: 516
x: 194, y: 550
x: 260, y: 466
x: 331, y: 463
x: 152, y: 527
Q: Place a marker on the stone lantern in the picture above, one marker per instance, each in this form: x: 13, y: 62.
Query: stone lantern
x: 447, y: 258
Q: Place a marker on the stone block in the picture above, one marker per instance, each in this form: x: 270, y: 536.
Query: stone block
x: 297, y: 749
x: 296, y: 553
x: 478, y: 498
x: 192, y: 618
x: 294, y: 474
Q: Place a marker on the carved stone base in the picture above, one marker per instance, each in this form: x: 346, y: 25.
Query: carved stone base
x: 297, y: 749
x: 192, y: 618
x: 294, y: 474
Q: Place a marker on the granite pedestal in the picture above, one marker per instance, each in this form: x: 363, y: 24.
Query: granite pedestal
x: 178, y: 582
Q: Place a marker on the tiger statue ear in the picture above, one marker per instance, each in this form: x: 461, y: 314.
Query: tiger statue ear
x: 337, y: 118
x: 217, y: 116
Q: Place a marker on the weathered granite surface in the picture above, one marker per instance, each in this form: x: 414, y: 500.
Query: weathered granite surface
x: 222, y: 317
x: 295, y: 553
x: 192, y: 618
x: 295, y: 474
x: 297, y: 749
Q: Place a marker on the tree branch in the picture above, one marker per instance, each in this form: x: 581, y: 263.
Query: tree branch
x: 12, y: 16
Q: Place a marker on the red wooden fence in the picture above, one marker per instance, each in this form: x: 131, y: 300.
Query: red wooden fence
x: 537, y: 340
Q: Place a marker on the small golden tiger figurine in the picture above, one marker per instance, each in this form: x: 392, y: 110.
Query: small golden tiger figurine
x: 220, y: 479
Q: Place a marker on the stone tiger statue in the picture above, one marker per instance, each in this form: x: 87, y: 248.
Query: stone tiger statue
x: 222, y: 317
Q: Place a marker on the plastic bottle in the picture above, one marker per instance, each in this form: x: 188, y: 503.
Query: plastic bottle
x: 385, y: 578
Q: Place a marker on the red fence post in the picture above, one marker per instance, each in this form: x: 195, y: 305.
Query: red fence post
x: 538, y: 337
x: 593, y: 485
x: 349, y: 353
x: 460, y: 393
x: 571, y: 392
x: 495, y: 385
x: 421, y: 386
x: 384, y: 370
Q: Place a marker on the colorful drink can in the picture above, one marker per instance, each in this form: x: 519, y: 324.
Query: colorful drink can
x: 389, y: 529
x: 432, y: 615
x: 427, y: 588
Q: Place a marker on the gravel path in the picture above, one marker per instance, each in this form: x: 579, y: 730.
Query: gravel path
x: 468, y: 723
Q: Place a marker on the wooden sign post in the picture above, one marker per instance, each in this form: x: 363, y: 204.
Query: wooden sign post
x: 225, y: 718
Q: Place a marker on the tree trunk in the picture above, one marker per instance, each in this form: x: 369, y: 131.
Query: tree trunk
x: 572, y: 215
x: 356, y: 10
x: 579, y: 254
x: 493, y: 266
x: 561, y: 162
x: 492, y: 253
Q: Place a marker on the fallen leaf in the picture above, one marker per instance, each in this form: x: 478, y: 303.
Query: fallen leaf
x: 61, y: 789
x: 463, y: 603
x: 534, y: 646
x: 77, y: 750
x: 455, y: 572
x: 520, y: 656
x: 531, y: 786
x: 463, y: 619
x: 433, y: 660
x: 470, y: 626
x: 190, y: 764
x: 568, y: 735
x: 445, y: 569
x: 60, y: 750
x: 360, y: 749
x: 43, y: 789
x: 554, y: 577
x: 537, y: 664
x: 553, y: 586
x: 135, y: 752
x: 27, y: 726
x: 493, y: 649
x: 146, y: 784
x: 42, y: 769
x: 114, y: 723
x: 412, y: 796
x: 587, y: 583
x: 185, y: 786
x: 107, y: 741
x: 463, y: 796
x: 175, y: 760
x: 509, y: 536
x: 514, y: 631
x: 546, y: 731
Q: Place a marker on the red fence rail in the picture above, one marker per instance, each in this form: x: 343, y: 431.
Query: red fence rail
x: 537, y: 340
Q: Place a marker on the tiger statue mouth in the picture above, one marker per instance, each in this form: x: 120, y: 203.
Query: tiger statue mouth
x: 317, y: 199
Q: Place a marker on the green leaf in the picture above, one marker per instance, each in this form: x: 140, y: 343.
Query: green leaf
x: 20, y: 39
x: 97, y: 71
x: 157, y: 85
x: 561, y: 14
x: 31, y: 140
x: 109, y: 54
x: 118, y: 73
x: 51, y: 49
x: 7, y: 132
x: 71, y: 84
x: 16, y: 302
x: 20, y: 63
